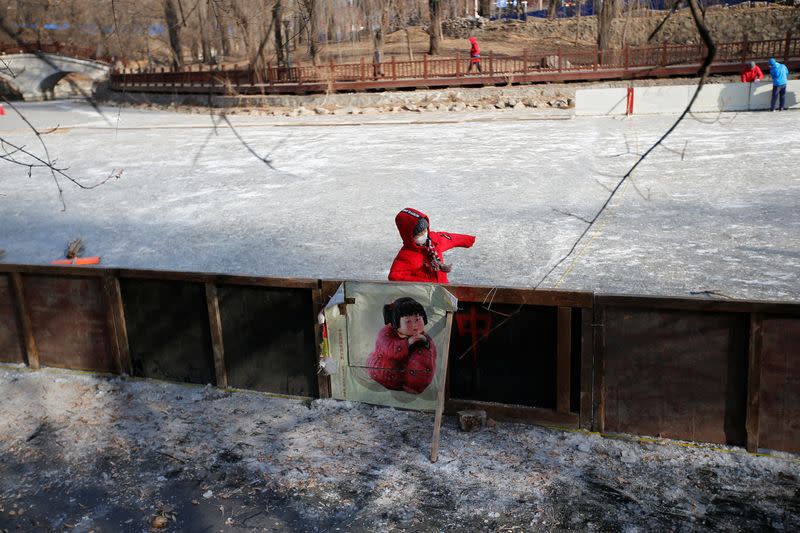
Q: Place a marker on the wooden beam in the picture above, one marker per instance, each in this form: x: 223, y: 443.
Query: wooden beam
x: 323, y: 379
x: 753, y: 381
x: 563, y: 359
x: 698, y: 304
x: 440, y: 397
x: 517, y: 413
x: 587, y: 368
x: 598, y: 396
x: 117, y: 325
x: 511, y: 295
x: 23, y: 318
x: 215, y: 326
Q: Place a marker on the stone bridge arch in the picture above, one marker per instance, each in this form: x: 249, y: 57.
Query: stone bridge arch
x: 35, y: 76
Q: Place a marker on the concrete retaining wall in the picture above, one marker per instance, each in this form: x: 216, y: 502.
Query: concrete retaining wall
x: 674, y: 99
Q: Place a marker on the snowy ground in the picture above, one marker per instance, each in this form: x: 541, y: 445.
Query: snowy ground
x: 90, y: 453
x: 716, y: 209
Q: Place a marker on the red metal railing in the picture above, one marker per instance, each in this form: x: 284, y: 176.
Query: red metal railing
x: 544, y: 65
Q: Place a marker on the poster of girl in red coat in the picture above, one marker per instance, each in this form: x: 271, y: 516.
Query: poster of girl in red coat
x: 404, y: 357
x: 387, y: 342
x: 422, y: 256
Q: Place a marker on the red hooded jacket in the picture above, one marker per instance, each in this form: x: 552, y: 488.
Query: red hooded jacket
x: 413, y: 262
x: 474, y: 50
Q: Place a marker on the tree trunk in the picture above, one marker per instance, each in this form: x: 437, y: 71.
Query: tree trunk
x: 435, y: 30
x: 605, y: 19
x: 280, y: 47
x: 313, y: 16
x: 173, y: 29
x: 205, y: 43
x: 552, y: 8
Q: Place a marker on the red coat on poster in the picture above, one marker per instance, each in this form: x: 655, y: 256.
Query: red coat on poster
x: 421, y: 259
x: 399, y: 366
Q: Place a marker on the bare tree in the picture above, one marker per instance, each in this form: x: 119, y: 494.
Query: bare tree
x: 552, y: 8
x: 173, y: 29
x: 605, y: 20
x: 435, y: 29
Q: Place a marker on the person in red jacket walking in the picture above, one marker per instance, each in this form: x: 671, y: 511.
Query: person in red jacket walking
x: 474, y: 55
x: 420, y: 258
x: 752, y: 74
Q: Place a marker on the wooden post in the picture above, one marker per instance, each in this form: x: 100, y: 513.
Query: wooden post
x: 362, y: 69
x: 598, y: 396
x: 745, y: 46
x: 215, y: 325
x: 425, y: 67
x: 24, y: 321
x: 458, y: 65
x: 786, y: 46
x: 269, y: 74
x: 323, y: 379
x: 437, y: 420
x: 524, y: 61
x: 118, y: 328
x: 625, y: 59
x: 587, y: 369
x: 753, y: 381
x: 596, y: 57
x: 491, y: 63
x: 394, y: 69
x: 563, y: 359
x: 664, y: 54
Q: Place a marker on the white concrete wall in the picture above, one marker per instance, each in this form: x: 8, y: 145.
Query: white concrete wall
x: 673, y: 99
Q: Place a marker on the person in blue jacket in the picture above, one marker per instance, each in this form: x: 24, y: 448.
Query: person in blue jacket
x: 779, y: 74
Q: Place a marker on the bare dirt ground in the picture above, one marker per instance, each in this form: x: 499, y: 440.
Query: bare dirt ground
x: 511, y: 37
x: 87, y: 453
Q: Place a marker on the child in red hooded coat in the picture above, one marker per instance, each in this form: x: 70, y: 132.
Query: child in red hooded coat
x: 420, y: 258
x: 404, y: 358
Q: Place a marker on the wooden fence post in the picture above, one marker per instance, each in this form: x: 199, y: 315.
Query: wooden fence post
x: 119, y: 329
x: 596, y: 57
x: 524, y: 61
x: 745, y: 46
x: 664, y: 54
x: 753, y: 382
x: 559, y: 59
x: 215, y: 325
x: 394, y: 69
x: 24, y: 321
x: 362, y: 69
x: 458, y: 65
x: 563, y: 359
x: 625, y: 59
x: 491, y: 63
x: 425, y: 67
x: 787, y: 46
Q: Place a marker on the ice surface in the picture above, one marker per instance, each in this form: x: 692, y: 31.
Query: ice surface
x: 714, y: 209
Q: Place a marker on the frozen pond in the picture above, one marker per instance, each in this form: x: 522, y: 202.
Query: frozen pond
x: 716, y: 209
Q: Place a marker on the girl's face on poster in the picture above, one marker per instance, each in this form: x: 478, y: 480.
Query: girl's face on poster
x: 411, y: 325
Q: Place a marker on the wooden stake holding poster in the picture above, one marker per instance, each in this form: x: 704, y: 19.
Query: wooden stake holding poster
x: 437, y: 421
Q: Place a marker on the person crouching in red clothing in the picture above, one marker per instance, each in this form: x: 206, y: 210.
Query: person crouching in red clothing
x: 404, y: 358
x: 420, y: 258
x: 752, y: 74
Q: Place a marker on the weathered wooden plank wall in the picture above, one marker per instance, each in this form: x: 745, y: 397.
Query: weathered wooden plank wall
x: 11, y: 344
x: 697, y: 369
